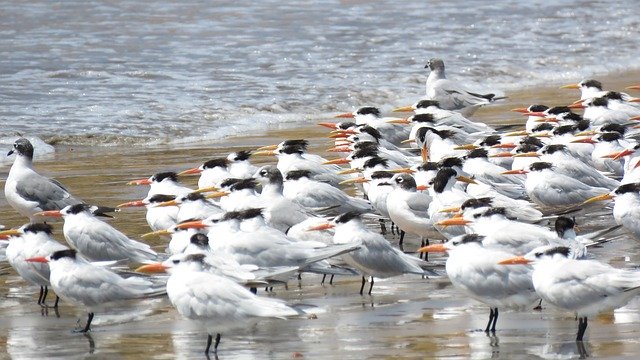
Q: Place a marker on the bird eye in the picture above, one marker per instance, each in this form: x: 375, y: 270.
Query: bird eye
x: 263, y: 173
x: 455, y: 243
x: 538, y: 254
x: 476, y: 216
x: 176, y: 262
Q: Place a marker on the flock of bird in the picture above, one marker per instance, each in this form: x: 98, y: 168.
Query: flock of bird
x: 486, y: 193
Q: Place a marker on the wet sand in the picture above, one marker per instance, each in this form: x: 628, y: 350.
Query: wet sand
x: 406, y: 317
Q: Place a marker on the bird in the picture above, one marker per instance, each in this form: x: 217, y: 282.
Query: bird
x: 472, y: 267
x: 626, y: 208
x: 158, y: 218
x: 217, y: 303
x: 318, y: 196
x: 164, y: 183
x: 93, y: 287
x: 451, y: 95
x: 28, y: 241
x: 409, y: 209
x: 96, y: 240
x: 584, y: 287
x: 375, y: 257
x: 29, y: 192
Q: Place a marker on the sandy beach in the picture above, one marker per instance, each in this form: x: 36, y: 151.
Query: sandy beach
x: 406, y: 317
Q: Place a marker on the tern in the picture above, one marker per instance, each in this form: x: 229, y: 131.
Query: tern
x: 584, y: 287
x: 81, y: 283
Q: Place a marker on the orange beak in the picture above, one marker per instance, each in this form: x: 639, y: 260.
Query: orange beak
x: 140, y: 182
x: 49, y: 213
x: 325, y: 226
x: 520, y: 110
x: 156, y: 233
x: 399, y: 121
x: 518, y: 260
x: 38, y: 259
x: 635, y: 118
x: 634, y: 87
x: 433, y: 248
x: 167, y: 203
x: 454, y: 209
x: 137, y: 203
x: 622, y: 153
x: 502, y: 154
x: 8, y: 233
x: 527, y: 154
x: 422, y: 187
x: 192, y: 225
x: 504, y: 146
x: 587, y: 140
x: 328, y: 125
x: 456, y: 221
x: 535, y: 113
x: 194, y: 171
x: 403, y: 109
x: 340, y: 161
x: 358, y: 180
x: 345, y: 115
x: 576, y: 106
x: 217, y: 194
x: 339, y: 149
x: 570, y: 86
x: 515, y: 172
x: 152, y: 268
x: 602, y: 197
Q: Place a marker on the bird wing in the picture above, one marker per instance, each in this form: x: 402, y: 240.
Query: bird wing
x: 48, y: 193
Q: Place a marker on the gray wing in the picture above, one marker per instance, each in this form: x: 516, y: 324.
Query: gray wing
x: 419, y: 204
x: 48, y: 193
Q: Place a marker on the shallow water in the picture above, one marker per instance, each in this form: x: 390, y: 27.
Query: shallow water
x: 406, y: 317
x: 123, y: 72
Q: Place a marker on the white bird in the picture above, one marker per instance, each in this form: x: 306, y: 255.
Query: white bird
x: 32, y: 240
x: 371, y: 116
x: 95, y: 239
x: 409, y: 209
x: 79, y: 282
x: 584, y: 287
x: 317, y: 196
x: 375, y: 257
x: 164, y: 183
x: 158, y: 218
x: 280, y: 212
x: 29, y: 192
x: 192, y: 206
x: 552, y: 190
x: 450, y: 94
x: 217, y: 303
x: 626, y: 208
x: 565, y: 163
x: 212, y: 172
x: 239, y: 165
x: 472, y: 267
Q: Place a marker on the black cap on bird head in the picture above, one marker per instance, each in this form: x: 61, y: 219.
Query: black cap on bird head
x: 67, y: 253
x: 590, y: 83
x: 240, y: 155
x: 628, y: 188
x: 439, y: 182
x: 217, y: 162
x: 435, y: 64
x: 38, y: 227
x: 368, y: 110
x: 563, y: 224
x: 405, y: 181
x: 161, y: 176
x: 423, y: 104
x: 200, y: 240
x: 298, y: 174
x: 346, y: 217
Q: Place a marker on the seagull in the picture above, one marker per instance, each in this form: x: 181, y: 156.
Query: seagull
x: 218, y: 303
x: 83, y: 284
x: 32, y: 240
x: 29, y: 192
x: 584, y: 287
x: 96, y: 240
x: 451, y: 95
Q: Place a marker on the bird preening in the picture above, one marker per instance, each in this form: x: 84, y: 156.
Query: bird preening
x: 497, y: 210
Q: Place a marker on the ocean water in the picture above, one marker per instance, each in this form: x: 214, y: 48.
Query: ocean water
x: 114, y: 73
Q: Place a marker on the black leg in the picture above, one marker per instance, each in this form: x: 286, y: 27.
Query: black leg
x: 209, y: 340
x: 539, y: 306
x: 490, y: 320
x: 323, y: 277
x: 495, y: 320
x: 55, y: 305
x: 88, y: 326
x: 426, y: 255
x: 582, y: 328
x: 383, y: 227
x: 331, y: 280
x: 253, y: 290
x: 371, y: 287
x: 401, y: 240
x: 44, y: 296
x: 393, y: 228
x: 421, y: 255
x: 215, y: 346
x: 40, y: 296
x: 362, y: 287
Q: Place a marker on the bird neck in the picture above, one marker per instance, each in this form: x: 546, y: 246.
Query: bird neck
x: 23, y: 161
